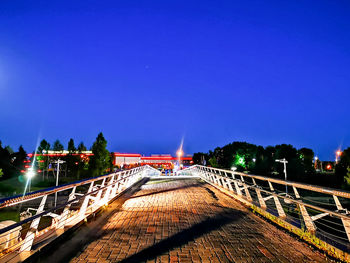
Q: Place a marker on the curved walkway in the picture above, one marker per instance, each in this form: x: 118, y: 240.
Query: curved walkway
x: 189, y: 221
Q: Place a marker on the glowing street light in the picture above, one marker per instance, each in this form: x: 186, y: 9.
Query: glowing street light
x: 29, y: 174
x: 337, y: 155
x: 316, y: 160
x: 179, y: 153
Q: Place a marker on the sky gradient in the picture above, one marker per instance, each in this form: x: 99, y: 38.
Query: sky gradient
x: 147, y: 73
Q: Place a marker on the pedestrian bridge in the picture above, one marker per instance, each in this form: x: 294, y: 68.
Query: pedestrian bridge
x: 200, y: 215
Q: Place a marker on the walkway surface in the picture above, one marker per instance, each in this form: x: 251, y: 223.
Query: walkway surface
x: 189, y: 221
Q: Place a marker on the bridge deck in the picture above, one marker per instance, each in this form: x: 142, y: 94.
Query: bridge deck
x: 188, y: 221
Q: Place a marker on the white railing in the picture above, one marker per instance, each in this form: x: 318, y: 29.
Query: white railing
x: 41, y: 220
x: 320, y: 212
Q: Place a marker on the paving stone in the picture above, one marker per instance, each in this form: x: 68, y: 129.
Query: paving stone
x: 190, y: 221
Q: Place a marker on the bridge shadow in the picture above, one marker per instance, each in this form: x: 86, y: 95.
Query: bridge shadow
x: 212, y: 193
x: 190, y: 234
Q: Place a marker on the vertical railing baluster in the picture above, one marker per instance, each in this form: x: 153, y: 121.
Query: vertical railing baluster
x: 279, y: 207
x: 85, y: 203
x: 258, y: 193
x: 99, y: 193
x: 346, y: 222
x: 63, y: 217
x: 246, y: 190
x: 115, y: 187
x: 29, y: 239
x: 310, y: 226
x: 108, y: 192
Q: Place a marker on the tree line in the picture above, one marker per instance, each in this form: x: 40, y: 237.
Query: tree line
x: 11, y: 162
x: 77, y: 164
x: 255, y: 159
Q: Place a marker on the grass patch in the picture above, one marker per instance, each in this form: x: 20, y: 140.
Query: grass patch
x: 16, y: 185
x: 9, y: 214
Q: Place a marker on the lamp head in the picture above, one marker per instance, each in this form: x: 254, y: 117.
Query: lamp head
x: 30, y: 173
x: 179, y: 153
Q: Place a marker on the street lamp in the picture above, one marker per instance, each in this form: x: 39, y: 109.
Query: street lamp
x: 179, y: 153
x: 284, y: 161
x: 58, y: 170
x: 337, y: 155
x: 316, y: 160
x: 30, y: 174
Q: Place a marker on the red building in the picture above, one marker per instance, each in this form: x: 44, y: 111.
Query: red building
x: 165, y: 160
x: 119, y: 159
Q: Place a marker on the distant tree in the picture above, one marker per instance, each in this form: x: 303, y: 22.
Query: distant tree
x: 306, y: 156
x: 200, y: 158
x: 72, y: 160
x: 11, y: 163
x: 19, y: 158
x: 1, y: 173
x: 5, y: 162
x: 9, y: 149
x: 347, y: 178
x: 213, y: 162
x: 57, y: 146
x: 100, y: 161
x: 43, y: 146
x: 342, y: 168
x: 82, y: 147
x: 71, y: 146
x: 260, y: 159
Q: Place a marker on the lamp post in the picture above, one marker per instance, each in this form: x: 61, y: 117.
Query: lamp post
x: 316, y: 160
x: 179, y: 154
x: 284, y: 161
x: 57, y: 174
x: 30, y: 174
x: 337, y: 155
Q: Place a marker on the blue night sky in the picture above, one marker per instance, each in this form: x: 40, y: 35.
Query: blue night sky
x: 147, y: 73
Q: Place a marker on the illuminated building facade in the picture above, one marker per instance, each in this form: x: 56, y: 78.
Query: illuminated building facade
x: 120, y: 160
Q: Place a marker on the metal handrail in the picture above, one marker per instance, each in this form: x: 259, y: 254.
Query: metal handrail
x: 309, y: 214
x: 324, y: 190
x: 109, y: 187
x: 11, y: 201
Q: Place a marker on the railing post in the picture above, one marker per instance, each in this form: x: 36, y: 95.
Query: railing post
x: 29, y: 239
x: 121, y: 182
x: 228, y: 183
x: 238, y: 190
x: 115, y: 187
x: 346, y: 222
x: 108, y: 192
x: 63, y: 217
x: 85, y: 202
x: 209, y: 176
x: 279, y: 207
x: 246, y: 190
x: 99, y: 194
x: 258, y: 193
x: 219, y: 181
x: 310, y: 226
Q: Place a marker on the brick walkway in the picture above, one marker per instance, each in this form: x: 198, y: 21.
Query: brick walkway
x: 190, y: 221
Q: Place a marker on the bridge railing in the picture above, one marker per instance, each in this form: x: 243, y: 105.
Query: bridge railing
x: 320, y: 213
x: 48, y: 213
